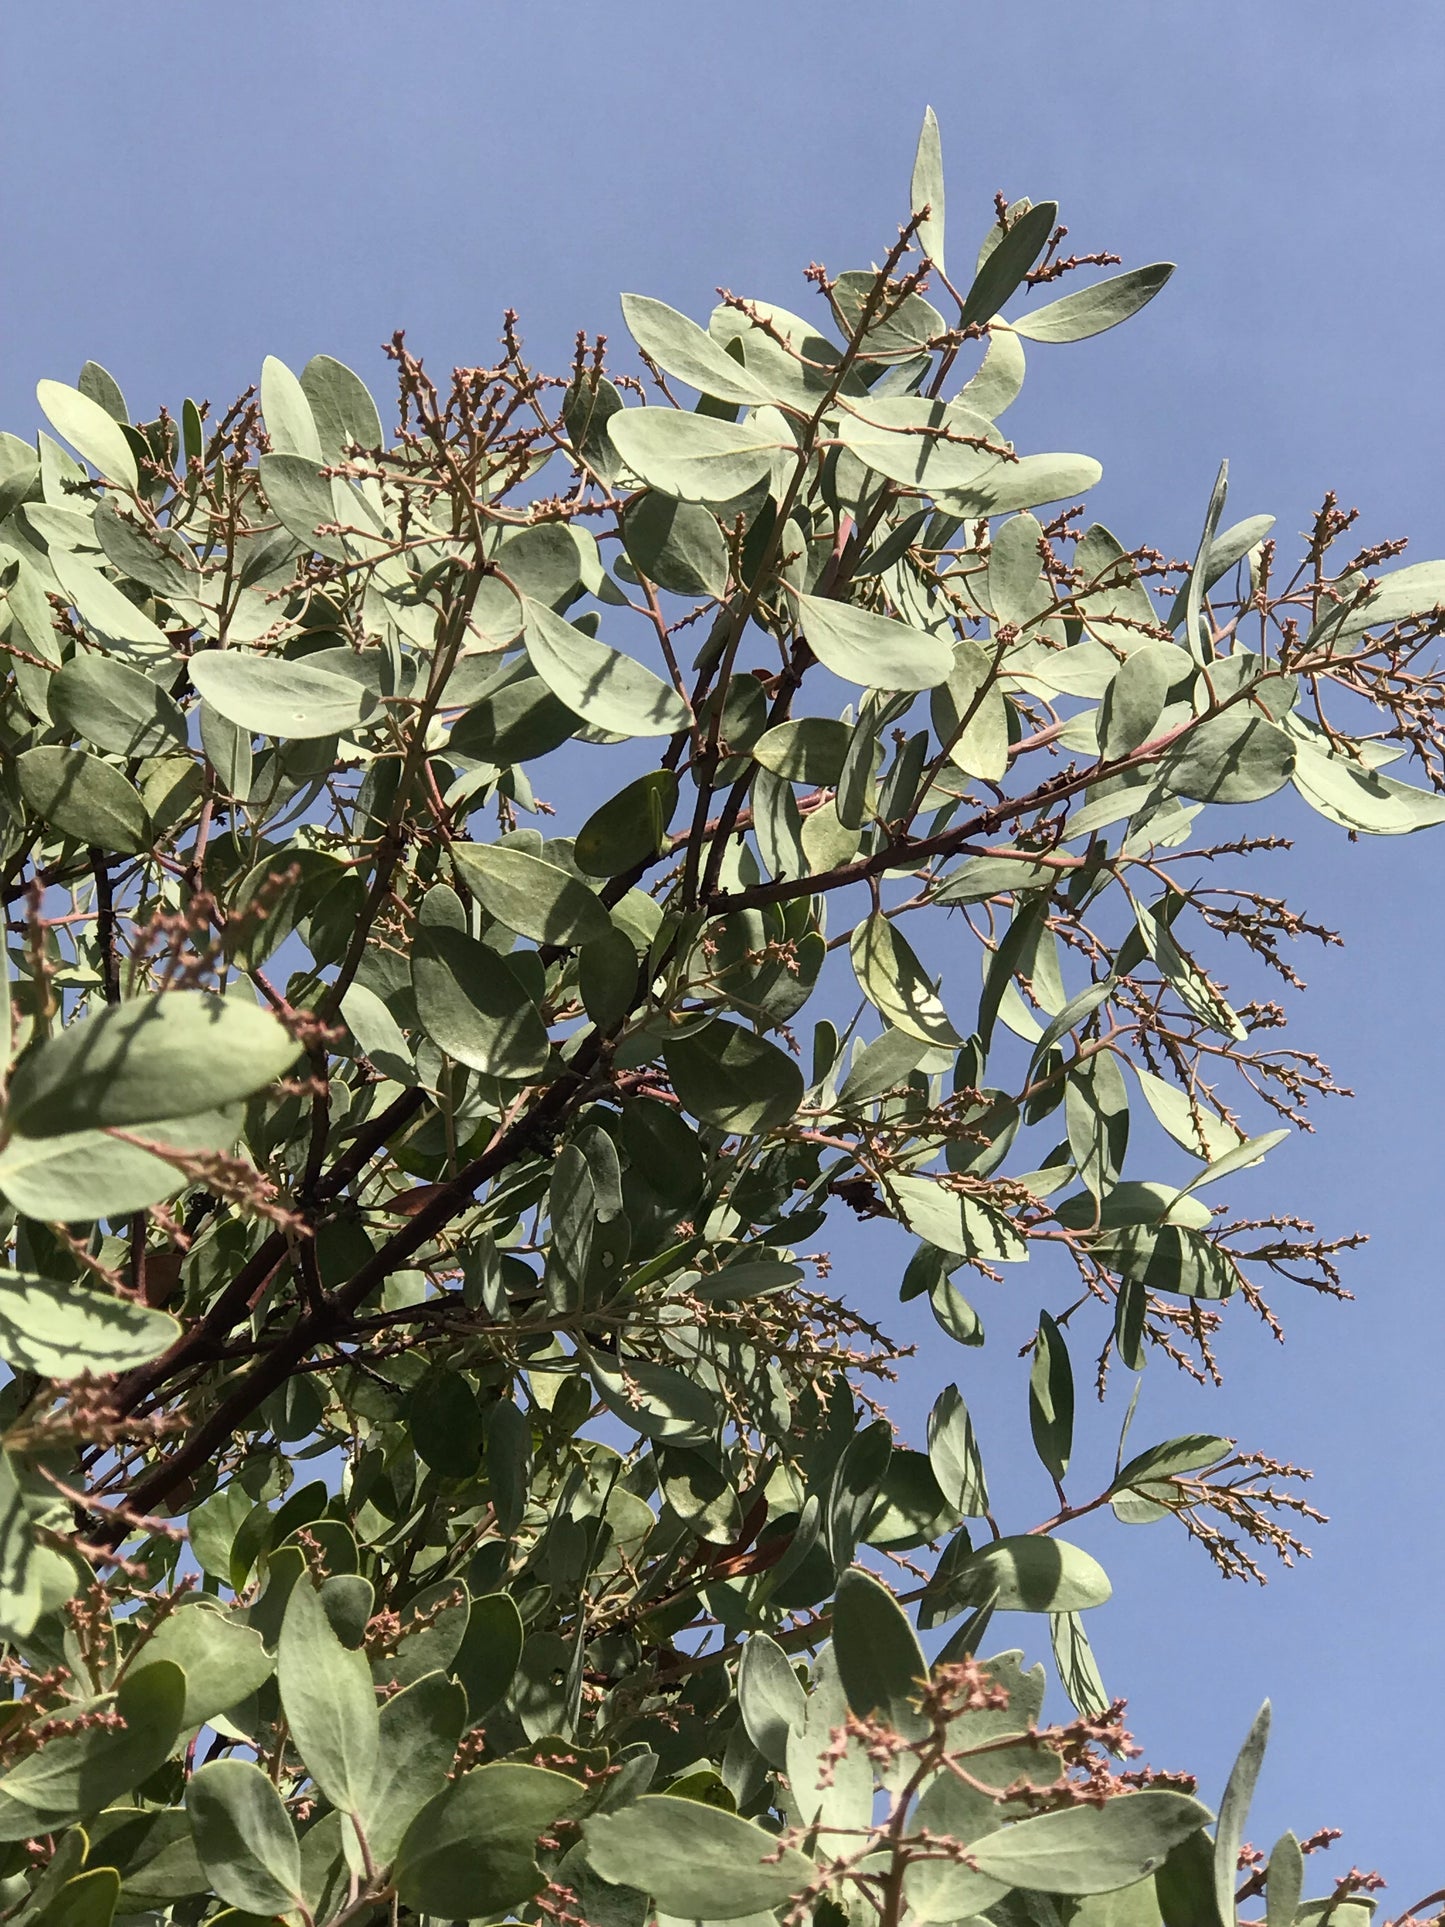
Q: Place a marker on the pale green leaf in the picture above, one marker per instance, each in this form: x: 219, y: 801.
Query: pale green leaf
x: 697, y: 458
x: 681, y: 348
x: 65, y: 1330
x: 272, y: 696
x: 1089, y: 311
x: 876, y: 651
x: 85, y: 798
x: 90, y: 429
x: 529, y: 895
x: 169, y: 1055
x: 1090, y: 1850
x: 474, y: 1007
x: 694, y: 1860
x: 604, y: 687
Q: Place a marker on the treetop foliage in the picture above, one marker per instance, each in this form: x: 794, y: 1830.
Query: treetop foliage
x: 439, y: 1475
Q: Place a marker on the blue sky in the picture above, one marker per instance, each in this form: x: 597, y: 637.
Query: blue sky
x: 188, y: 188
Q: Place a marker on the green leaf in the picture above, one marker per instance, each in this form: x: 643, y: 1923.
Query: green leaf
x: 222, y: 1660
x: 486, y: 1661
x: 290, y: 425
x: 420, y: 1728
x: 1051, y: 1399
x: 514, y: 723
x: 170, y: 1055
x: 806, y: 749
x: 1168, y: 1461
x: 1234, y: 1811
x: 1090, y: 311
x: 1135, y: 699
x: 1362, y: 799
x: 104, y: 608
x: 879, y: 1659
x: 1096, y: 1107
x: 677, y: 545
x: 473, y: 1005
x: 966, y: 1226
x: 911, y: 1508
x: 329, y: 1702
x: 64, y: 1330
x: 870, y: 649
x: 1033, y: 1574
x: 946, y: 1890
x: 89, y: 1900
x: 1225, y: 550
x: 681, y: 348
x: 115, y: 708
x: 1239, y: 756
x: 1078, y: 1671
x: 572, y: 1208
x: 81, y: 1772
x: 1016, y: 589
x: 694, y: 1860
x: 303, y: 500
x: 471, y: 1851
x: 341, y: 408
x: 854, y: 1489
x: 630, y: 828
x: 926, y: 190
x: 1172, y: 1257
x: 607, y: 978
x: 378, y: 1035
x: 88, y: 428
x: 272, y: 696
x: 1028, y: 482
x: 954, y: 1455
x: 244, y: 1837
x: 529, y: 895
x: 1199, y: 645
x: 1197, y: 1129
x: 607, y: 689
x: 770, y: 1699
x: 891, y: 977
x: 696, y: 458
x: 733, y: 1078
x: 587, y: 407
x: 969, y: 713
x: 83, y: 797
x: 1091, y: 1850
x: 1008, y: 263
x: 1285, y: 1883
x: 77, y: 1176
x: 654, y: 1400
x: 920, y: 444
x: 1400, y: 595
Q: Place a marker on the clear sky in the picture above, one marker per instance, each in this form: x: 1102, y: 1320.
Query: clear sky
x: 185, y: 188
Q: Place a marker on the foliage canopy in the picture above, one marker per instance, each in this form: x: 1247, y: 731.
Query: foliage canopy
x: 436, y: 1474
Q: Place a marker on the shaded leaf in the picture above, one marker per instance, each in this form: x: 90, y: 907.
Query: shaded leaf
x: 156, y: 1057
x: 473, y: 1005
x: 733, y: 1078
x: 1089, y: 1850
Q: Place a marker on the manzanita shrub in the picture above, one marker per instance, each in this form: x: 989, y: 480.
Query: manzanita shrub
x: 437, y: 1478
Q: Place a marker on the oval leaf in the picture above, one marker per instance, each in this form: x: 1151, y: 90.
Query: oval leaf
x: 529, y: 895
x: 1091, y: 1850
x: 694, y: 1860
x: 473, y: 1006
x: 270, y: 696
x: 733, y: 1078
x: 870, y: 649
x: 601, y: 685
x: 170, y: 1055
x: 64, y: 1330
